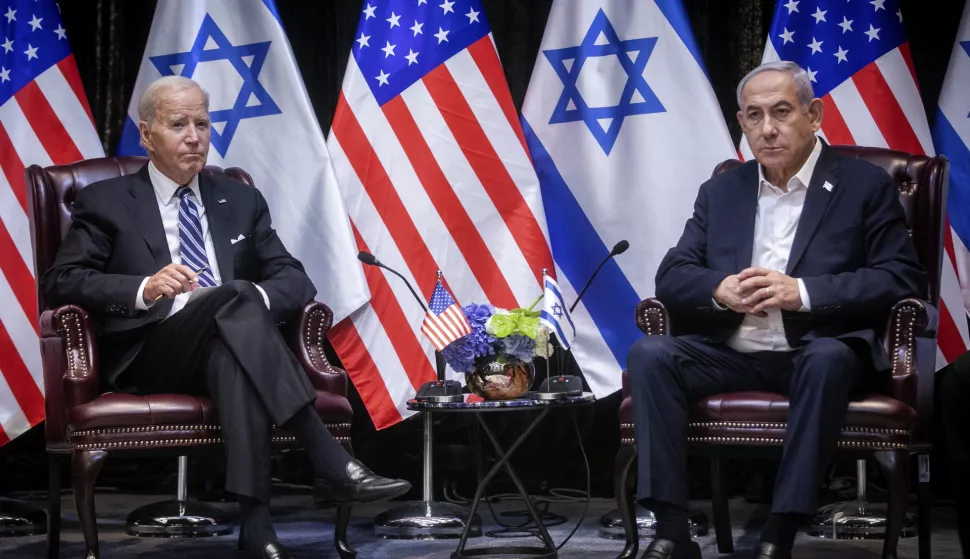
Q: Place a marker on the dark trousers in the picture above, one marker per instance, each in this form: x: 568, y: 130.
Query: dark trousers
x: 226, y: 346
x: 667, y: 374
x: 954, y: 400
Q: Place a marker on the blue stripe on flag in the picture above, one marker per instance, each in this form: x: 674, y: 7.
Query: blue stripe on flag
x: 128, y: 145
x: 948, y: 143
x: 578, y: 249
x: 554, y: 322
x: 271, y: 6
x: 673, y: 10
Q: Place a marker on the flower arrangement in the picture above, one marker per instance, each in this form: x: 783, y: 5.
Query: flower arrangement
x: 498, y: 335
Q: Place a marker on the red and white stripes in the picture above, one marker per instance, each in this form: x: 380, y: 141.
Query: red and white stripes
x: 436, y: 179
x: 47, y: 122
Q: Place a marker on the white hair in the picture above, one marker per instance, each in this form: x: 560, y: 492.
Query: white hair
x: 803, y: 82
x: 148, y: 101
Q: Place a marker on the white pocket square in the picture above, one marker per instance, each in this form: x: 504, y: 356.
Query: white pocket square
x: 828, y: 186
x: 237, y: 239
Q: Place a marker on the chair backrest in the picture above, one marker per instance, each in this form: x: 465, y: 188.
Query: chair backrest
x: 922, y: 183
x: 50, y: 199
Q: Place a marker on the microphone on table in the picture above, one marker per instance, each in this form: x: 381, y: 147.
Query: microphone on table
x: 440, y: 390
x: 563, y: 386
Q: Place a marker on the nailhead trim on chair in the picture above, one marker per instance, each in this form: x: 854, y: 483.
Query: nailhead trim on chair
x: 155, y: 428
x: 72, y: 325
x: 747, y: 425
x: 775, y: 441
x: 177, y: 443
x: 906, y: 337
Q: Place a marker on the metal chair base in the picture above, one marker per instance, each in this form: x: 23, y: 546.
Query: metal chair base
x: 425, y: 520
x: 18, y: 519
x: 178, y: 519
x: 611, y: 525
x: 857, y: 520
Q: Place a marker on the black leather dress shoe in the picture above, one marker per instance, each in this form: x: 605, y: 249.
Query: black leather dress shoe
x: 364, y: 486
x: 665, y: 549
x: 274, y: 550
x: 767, y: 550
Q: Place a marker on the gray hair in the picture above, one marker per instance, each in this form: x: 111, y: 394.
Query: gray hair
x: 803, y: 82
x: 149, y: 99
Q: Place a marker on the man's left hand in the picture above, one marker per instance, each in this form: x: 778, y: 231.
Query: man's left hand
x: 763, y: 289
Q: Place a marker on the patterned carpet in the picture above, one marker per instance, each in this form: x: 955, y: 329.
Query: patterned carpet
x: 308, y: 533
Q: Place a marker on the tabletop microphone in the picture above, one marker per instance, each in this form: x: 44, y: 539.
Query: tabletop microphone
x: 618, y: 248
x: 440, y: 390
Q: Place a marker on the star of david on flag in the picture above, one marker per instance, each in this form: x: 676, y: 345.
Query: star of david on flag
x: 636, y: 97
x: 211, y: 45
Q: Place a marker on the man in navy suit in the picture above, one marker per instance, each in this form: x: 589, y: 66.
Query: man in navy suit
x: 137, y: 249
x: 779, y: 282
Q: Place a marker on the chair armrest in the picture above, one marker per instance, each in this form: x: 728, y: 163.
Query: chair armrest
x: 909, y: 321
x: 70, y: 362
x: 652, y: 317
x: 307, y: 338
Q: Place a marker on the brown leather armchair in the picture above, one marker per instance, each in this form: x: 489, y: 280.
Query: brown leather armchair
x: 86, y: 424
x: 889, y: 427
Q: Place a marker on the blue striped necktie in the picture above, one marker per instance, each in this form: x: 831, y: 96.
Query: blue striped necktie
x: 191, y: 241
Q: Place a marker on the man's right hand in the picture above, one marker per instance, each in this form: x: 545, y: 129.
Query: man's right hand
x: 728, y: 294
x: 170, y: 281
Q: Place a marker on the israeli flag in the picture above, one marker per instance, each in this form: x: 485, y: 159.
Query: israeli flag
x: 951, y: 137
x: 555, y: 314
x: 262, y: 121
x: 623, y: 128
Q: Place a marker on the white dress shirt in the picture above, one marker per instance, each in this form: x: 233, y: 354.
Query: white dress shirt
x: 775, y: 224
x: 168, y: 205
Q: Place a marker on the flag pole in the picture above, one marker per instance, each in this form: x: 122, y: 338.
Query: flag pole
x: 427, y: 519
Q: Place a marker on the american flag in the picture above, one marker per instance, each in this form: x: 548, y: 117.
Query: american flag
x: 44, y: 119
x: 444, y: 322
x: 858, y: 58
x: 433, y: 169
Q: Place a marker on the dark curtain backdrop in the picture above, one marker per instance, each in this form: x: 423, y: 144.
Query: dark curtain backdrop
x: 108, y: 38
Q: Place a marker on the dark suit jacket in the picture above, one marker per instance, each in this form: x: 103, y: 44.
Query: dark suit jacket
x: 116, y: 239
x: 851, y: 248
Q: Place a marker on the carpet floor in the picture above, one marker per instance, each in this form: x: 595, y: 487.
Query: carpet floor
x: 308, y: 533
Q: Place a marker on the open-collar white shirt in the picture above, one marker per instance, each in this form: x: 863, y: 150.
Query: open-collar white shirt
x: 775, y: 224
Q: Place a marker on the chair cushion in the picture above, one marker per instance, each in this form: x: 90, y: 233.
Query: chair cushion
x: 875, y: 421
x: 117, y: 420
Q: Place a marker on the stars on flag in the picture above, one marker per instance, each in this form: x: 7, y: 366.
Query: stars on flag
x: 873, y: 33
x: 819, y: 15
x: 878, y: 4
x: 787, y: 36
x: 389, y: 49
x: 815, y: 45
x: 382, y: 78
x: 369, y: 11
x: 363, y: 40
x: 7, y: 45
x: 441, y: 35
x: 35, y: 23
x: 792, y: 6
x: 418, y: 28
x: 447, y: 7
x: 811, y: 73
x: 31, y: 52
x: 4, y: 74
x: 394, y: 20
x: 412, y: 57
x: 846, y: 24
x: 11, y: 15
x: 61, y: 32
x: 841, y: 55
x: 472, y: 15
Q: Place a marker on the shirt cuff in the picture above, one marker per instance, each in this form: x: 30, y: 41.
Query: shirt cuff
x: 717, y: 305
x: 140, y: 303
x: 803, y: 293
x: 263, y: 293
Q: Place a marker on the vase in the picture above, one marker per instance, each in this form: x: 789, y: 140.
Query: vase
x: 500, y: 381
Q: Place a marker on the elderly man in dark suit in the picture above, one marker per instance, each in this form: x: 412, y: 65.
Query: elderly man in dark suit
x: 778, y: 283
x: 139, y: 249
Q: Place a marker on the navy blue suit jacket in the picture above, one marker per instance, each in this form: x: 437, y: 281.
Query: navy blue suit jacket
x: 851, y: 248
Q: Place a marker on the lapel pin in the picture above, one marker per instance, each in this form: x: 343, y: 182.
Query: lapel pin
x: 221, y: 200
x: 828, y: 186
